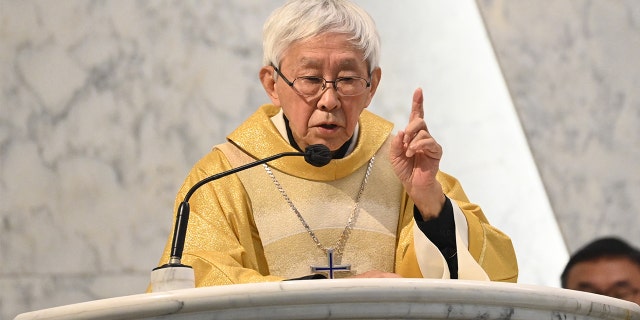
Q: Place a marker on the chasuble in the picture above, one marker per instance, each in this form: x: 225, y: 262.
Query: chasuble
x: 276, y: 222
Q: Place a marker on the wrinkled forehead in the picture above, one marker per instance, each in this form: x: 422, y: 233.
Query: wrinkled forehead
x: 318, y: 51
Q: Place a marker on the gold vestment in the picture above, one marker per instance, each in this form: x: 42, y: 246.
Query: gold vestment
x: 242, y: 230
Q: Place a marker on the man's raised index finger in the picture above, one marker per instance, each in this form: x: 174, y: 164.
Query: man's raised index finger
x: 417, y: 109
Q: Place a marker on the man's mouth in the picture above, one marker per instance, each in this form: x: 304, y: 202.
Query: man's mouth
x: 328, y: 126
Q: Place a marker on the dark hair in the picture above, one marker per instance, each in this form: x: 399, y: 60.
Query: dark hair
x: 609, y: 247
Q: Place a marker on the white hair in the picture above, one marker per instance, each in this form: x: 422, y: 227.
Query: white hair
x: 302, y: 19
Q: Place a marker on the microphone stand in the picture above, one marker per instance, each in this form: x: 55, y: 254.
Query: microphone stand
x: 175, y: 275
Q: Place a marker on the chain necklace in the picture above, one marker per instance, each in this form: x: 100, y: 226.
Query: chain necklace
x: 340, y: 243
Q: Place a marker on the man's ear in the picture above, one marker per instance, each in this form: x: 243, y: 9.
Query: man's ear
x: 269, y: 84
x: 376, y: 74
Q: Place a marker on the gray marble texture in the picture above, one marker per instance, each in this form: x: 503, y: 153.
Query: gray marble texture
x: 351, y: 299
x: 105, y: 105
x: 573, y: 71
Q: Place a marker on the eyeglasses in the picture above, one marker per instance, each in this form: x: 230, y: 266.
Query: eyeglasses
x: 313, y: 87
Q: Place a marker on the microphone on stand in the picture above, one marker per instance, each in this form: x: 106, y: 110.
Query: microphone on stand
x: 175, y: 275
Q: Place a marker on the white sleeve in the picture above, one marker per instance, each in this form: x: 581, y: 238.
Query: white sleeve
x: 431, y: 262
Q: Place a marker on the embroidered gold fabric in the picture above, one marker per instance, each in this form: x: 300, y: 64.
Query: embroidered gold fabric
x: 240, y: 224
x: 377, y: 219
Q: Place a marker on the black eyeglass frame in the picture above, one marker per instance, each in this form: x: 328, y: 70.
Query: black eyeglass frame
x: 334, y: 83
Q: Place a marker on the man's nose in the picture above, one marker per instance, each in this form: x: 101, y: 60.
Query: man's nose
x: 329, y: 97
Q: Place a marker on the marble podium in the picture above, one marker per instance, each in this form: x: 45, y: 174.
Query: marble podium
x: 353, y: 299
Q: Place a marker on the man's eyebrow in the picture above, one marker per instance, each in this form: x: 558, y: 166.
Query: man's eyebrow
x: 586, y: 285
x: 306, y: 62
x: 621, y: 284
x: 315, y: 63
x: 349, y: 61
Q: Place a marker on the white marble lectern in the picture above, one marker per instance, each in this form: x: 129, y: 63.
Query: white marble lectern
x: 353, y: 299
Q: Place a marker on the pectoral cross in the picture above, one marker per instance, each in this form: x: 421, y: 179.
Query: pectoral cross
x: 331, y: 268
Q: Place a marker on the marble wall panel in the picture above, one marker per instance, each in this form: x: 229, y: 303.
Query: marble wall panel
x: 105, y: 105
x: 573, y: 72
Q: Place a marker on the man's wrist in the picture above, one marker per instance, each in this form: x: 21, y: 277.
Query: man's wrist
x: 431, y: 209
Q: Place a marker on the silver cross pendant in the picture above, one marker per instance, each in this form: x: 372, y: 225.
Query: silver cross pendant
x: 331, y: 268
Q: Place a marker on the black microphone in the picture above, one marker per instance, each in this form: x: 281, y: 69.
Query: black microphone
x: 317, y: 155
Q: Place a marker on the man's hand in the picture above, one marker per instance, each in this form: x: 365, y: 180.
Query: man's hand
x: 415, y: 156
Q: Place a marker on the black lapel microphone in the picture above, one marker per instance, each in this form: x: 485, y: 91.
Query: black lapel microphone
x: 317, y: 155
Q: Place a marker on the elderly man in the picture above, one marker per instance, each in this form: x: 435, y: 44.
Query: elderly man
x: 380, y: 208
